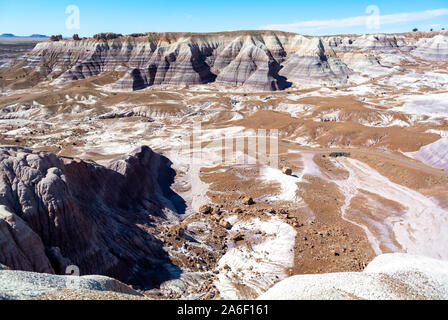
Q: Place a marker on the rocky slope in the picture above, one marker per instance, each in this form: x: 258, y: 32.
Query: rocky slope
x: 387, y: 277
x: 21, y: 285
x: 264, y: 60
x: 57, y: 212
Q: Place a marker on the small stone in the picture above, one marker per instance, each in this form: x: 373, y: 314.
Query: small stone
x: 248, y: 201
x: 237, y: 210
x: 225, y: 224
x: 205, y: 209
x: 237, y: 237
x: 287, y: 171
x: 209, y: 295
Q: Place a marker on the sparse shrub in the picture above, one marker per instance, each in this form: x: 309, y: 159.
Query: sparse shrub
x: 76, y: 37
x: 136, y: 35
x: 56, y: 38
x: 340, y: 154
x: 107, y: 36
x: 415, y: 29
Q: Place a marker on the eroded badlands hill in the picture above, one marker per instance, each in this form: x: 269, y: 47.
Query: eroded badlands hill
x: 56, y: 212
x: 265, y: 60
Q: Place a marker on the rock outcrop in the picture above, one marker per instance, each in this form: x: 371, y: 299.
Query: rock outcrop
x: 388, y: 277
x: 57, y: 212
x: 21, y: 285
x: 20, y: 246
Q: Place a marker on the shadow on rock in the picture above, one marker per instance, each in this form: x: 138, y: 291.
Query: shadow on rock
x: 99, y: 218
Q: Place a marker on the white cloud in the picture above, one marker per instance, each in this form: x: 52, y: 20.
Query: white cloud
x: 360, y: 21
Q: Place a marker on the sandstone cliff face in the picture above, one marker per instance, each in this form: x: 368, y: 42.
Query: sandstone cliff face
x: 56, y: 212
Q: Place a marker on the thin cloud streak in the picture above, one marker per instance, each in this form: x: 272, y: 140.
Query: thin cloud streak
x: 360, y: 20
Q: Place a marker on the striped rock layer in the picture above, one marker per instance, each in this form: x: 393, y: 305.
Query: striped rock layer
x: 264, y: 60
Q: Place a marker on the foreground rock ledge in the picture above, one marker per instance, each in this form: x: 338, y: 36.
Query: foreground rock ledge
x: 388, y: 277
x: 21, y: 285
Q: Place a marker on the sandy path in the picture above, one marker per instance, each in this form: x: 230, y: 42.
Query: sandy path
x: 400, y: 159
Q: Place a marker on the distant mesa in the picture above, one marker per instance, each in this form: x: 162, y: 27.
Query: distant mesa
x: 38, y: 36
x: 11, y: 35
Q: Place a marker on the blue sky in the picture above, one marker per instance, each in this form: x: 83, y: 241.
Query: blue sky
x: 23, y: 17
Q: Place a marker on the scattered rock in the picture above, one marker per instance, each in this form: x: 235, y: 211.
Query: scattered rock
x: 205, y: 209
x: 225, y: 224
x: 248, y: 201
x: 181, y: 232
x: 237, y: 237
